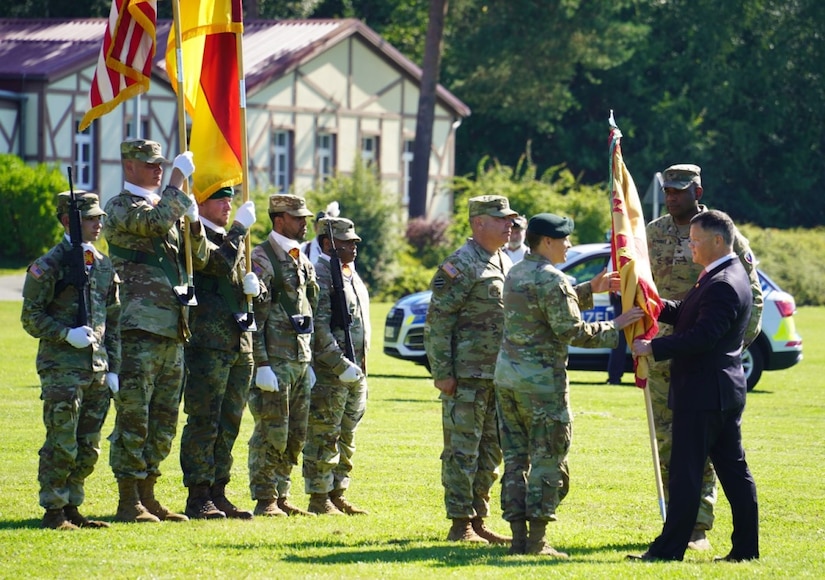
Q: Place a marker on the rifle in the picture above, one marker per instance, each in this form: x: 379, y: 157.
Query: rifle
x: 77, y: 275
x: 341, y: 318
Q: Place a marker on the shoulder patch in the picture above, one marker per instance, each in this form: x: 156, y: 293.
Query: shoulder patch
x: 748, y: 257
x: 439, y: 282
x: 449, y: 269
x: 36, y: 270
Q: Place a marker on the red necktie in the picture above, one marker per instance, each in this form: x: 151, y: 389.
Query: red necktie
x: 294, y: 252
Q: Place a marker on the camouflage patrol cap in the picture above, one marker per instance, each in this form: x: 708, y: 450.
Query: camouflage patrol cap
x: 87, y: 202
x: 494, y: 205
x: 550, y: 225
x: 142, y: 150
x: 342, y: 228
x: 681, y: 176
x: 287, y: 203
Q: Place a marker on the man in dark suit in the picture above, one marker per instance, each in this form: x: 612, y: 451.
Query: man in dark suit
x: 707, y: 391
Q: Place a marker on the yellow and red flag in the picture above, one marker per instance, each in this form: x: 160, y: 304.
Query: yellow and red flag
x: 125, y: 61
x: 211, y: 86
x: 628, y: 246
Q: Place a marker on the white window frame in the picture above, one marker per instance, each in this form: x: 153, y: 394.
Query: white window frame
x: 369, y: 150
x: 325, y: 155
x: 281, y: 159
x: 406, y: 163
x: 84, y: 158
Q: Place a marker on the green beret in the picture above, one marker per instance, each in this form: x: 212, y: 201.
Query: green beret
x: 550, y: 225
x: 223, y: 192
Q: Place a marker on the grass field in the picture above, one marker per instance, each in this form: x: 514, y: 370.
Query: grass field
x: 611, y: 509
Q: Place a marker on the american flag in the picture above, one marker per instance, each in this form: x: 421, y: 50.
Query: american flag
x: 125, y: 60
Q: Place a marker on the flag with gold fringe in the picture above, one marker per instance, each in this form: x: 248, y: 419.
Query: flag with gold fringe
x: 628, y: 246
x: 209, y: 58
x: 125, y: 61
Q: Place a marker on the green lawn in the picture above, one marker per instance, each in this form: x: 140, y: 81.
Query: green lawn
x: 611, y: 509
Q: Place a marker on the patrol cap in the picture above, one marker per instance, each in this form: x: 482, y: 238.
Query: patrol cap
x: 520, y: 222
x: 550, y: 225
x: 681, y: 176
x: 87, y: 202
x: 222, y: 193
x: 494, y: 205
x: 287, y: 203
x: 142, y: 150
x: 342, y: 228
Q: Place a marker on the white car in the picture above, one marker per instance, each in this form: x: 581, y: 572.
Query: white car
x: 778, y: 346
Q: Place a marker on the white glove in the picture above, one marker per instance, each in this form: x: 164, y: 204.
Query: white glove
x: 266, y: 380
x: 113, y: 382
x: 192, y: 211
x: 246, y: 214
x: 185, y: 164
x: 251, y: 285
x: 80, y: 337
x: 353, y: 374
x: 312, y: 378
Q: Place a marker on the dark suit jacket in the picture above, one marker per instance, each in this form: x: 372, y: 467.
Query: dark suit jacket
x: 706, y: 345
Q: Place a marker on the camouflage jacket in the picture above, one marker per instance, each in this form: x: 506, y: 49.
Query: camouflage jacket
x: 674, y: 271
x: 329, y: 342
x: 212, y: 321
x: 542, y: 315
x: 49, y: 317
x: 149, y: 302
x: 465, y: 319
x: 275, y: 337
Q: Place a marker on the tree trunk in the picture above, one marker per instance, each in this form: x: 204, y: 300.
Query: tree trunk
x: 426, y: 110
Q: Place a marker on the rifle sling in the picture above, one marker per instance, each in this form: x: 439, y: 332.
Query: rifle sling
x: 301, y: 323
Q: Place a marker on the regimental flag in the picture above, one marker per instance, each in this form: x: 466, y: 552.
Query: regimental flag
x: 209, y: 58
x: 125, y: 60
x: 628, y: 246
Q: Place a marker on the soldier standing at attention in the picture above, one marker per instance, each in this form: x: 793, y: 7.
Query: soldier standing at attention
x: 542, y: 316
x: 675, y: 273
x: 515, y: 247
x: 219, y: 363
x: 339, y: 398
x: 78, y: 365
x: 282, y: 348
x: 462, y: 335
x: 144, y: 231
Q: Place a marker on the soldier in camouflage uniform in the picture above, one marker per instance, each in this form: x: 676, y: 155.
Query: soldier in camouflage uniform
x: 339, y: 398
x: 144, y: 232
x: 282, y: 348
x: 462, y: 335
x: 219, y: 361
x: 78, y: 365
x: 542, y: 316
x: 674, y: 273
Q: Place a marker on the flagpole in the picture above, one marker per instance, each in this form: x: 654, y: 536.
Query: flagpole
x: 181, y: 98
x: 616, y: 136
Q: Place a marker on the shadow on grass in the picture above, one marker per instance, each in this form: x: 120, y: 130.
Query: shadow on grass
x: 441, y: 554
x: 34, y: 523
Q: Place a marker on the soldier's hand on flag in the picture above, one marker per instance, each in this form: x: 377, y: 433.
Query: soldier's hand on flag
x: 113, y: 382
x: 192, y: 213
x: 266, y: 380
x: 185, y: 164
x: 629, y: 317
x: 80, y: 337
x: 642, y: 348
x: 246, y: 214
x: 251, y: 285
x: 604, y: 282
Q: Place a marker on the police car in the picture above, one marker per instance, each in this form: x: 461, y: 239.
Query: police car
x: 778, y: 345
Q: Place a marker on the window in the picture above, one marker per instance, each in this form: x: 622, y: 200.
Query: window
x: 406, y: 162
x: 84, y: 156
x: 144, y: 129
x: 325, y: 155
x: 281, y: 160
x: 369, y: 151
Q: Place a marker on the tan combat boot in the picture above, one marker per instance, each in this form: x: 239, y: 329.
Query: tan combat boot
x: 462, y: 531
x: 292, y: 510
x: 73, y: 515
x: 340, y: 502
x: 55, y: 519
x: 129, y: 508
x: 488, y: 534
x: 218, y: 494
x: 146, y: 491
x: 320, y: 504
x: 519, y: 542
x: 536, y: 543
x: 269, y: 508
x: 199, y: 505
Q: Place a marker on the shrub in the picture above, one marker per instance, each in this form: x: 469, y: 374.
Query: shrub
x: 28, y: 225
x: 429, y: 240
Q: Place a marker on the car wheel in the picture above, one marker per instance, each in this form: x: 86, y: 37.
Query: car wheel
x: 753, y: 361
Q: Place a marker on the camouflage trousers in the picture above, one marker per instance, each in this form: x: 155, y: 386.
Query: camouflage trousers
x: 335, y: 410
x: 147, y: 404
x: 535, y: 444
x: 75, y: 405
x: 215, y: 391
x: 280, y: 430
x: 472, y: 454
x: 659, y: 384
